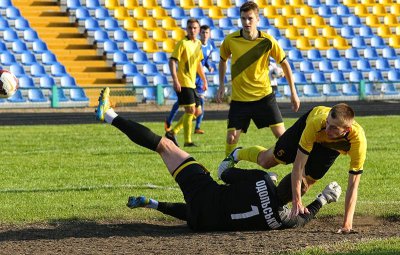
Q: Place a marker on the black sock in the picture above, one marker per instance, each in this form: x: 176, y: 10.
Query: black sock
x: 177, y: 210
x: 138, y: 133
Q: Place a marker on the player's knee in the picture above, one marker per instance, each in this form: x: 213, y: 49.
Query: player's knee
x: 266, y: 159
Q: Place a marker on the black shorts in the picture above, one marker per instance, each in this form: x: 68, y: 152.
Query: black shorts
x: 264, y: 112
x: 188, y: 97
x: 320, y: 158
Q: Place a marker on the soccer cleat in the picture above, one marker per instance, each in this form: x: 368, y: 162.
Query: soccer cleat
x: 199, y: 131
x: 273, y: 176
x: 228, y: 162
x: 171, y: 136
x: 330, y: 194
x: 190, y: 145
x: 167, y: 126
x: 135, y: 202
x: 104, y: 104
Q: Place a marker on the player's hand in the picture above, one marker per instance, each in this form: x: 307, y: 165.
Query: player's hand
x: 177, y: 87
x: 345, y: 231
x: 294, y: 99
x: 220, y: 94
x: 298, y: 208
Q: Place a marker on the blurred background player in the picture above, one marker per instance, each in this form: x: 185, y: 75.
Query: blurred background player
x: 207, y: 46
x: 250, y: 201
x: 252, y: 95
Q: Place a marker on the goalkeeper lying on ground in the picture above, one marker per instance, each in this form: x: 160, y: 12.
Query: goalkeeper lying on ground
x: 248, y: 200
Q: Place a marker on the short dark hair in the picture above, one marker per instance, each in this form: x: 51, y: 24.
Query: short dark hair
x: 204, y: 27
x: 343, y: 113
x: 249, y: 6
x: 192, y: 20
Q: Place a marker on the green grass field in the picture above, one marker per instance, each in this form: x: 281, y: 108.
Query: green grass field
x: 87, y: 172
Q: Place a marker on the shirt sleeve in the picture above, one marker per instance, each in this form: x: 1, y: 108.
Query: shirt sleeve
x: 308, y: 137
x: 276, y: 51
x: 358, y: 150
x: 176, y: 54
x: 224, y: 50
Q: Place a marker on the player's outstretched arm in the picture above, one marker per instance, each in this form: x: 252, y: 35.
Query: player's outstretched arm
x: 289, y: 77
x: 297, y: 174
x: 350, y: 203
x: 221, y: 71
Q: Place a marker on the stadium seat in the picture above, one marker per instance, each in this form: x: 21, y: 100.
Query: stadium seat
x: 389, y: 89
x: 215, y: 12
x: 37, y: 70
x: 82, y: 13
x: 100, y: 36
x: 217, y: 34
x: 390, y: 20
x: 311, y: 32
x: 325, y: 66
x: 344, y: 65
x: 370, y: 89
x: 343, y: 11
x: 383, y: 31
x: 366, y: 32
x: 36, y: 95
x: 17, y: 97
x: 356, y: 76
x: 347, y: 32
x: 111, y: 4
x: 318, y: 21
x: 160, y: 79
x: 140, y: 80
x: 270, y: 12
x: 333, y: 54
x: 19, y: 46
x: 363, y: 65
x: 17, y: 69
x: 211, y: 92
x: 109, y: 46
x: 169, y: 93
x: 314, y: 55
x: 150, y: 4
x: 46, y: 81
x: 187, y: 4
x: 377, y: 42
x: 330, y: 90
x: 73, y: 4
x: 310, y: 90
x: 375, y: 75
x: 322, y: 43
x: 233, y: 12
x: 389, y: 53
x: 48, y: 58
x: 324, y: 11
x: 129, y: 70
x: 120, y: 58
x: 61, y: 95
x: 120, y: 35
x: 196, y: 13
x: 101, y: 13
x: 318, y: 77
x: 150, y: 46
x: 4, y: 24
x: 78, y: 94
x: 336, y: 21
x: 57, y: 70
x: 306, y: 66
x: 382, y: 64
x: 288, y: 93
x: 337, y: 77
x: 5, y: 3
x: 149, y: 23
x: 39, y: 46
x: 281, y: 22
x: 28, y: 58
x: 160, y: 57
x: 131, y: 24
x: 207, y: 21
x: 224, y: 3
x: 299, y: 78
x: 169, y: 23
x: 165, y: 69
x: 178, y: 34
x: 379, y: 10
x: 394, y: 75
x: 10, y: 35
x: 150, y: 69
x: 140, y: 13
x: 159, y: 35
x: 12, y: 13
x: 21, y: 24
x: 149, y: 94
x: 295, y: 55
x: 26, y: 82
x: 370, y: 53
x: 361, y: 10
x: 349, y: 89
x: 394, y: 41
x: 285, y: 43
x: 354, y: 21
x: 140, y: 35
x: 292, y: 33
x: 306, y: 11
x: 92, y: 4
x: 351, y: 54
x: 168, y: 4
x: 340, y: 43
x: 110, y: 24
x: 67, y: 81
x: 159, y: 13
x: 91, y: 24
x: 288, y: 11
x: 178, y: 13
x: 225, y: 23
x: 205, y: 4
x: 274, y: 32
x: 7, y: 58
x: 358, y: 42
x: 168, y: 45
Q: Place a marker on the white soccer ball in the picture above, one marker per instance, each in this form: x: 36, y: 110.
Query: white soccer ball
x: 8, y: 84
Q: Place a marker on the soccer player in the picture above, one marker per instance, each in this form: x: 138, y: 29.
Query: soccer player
x: 250, y: 201
x: 207, y: 46
x: 252, y: 94
x: 184, y: 63
x: 312, y: 144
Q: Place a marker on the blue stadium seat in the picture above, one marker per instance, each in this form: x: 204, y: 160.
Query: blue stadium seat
x: 78, y: 94
x: 382, y: 64
x: 140, y: 80
x: 288, y: 93
x: 21, y: 24
x: 333, y: 54
x: 169, y: 93
x: 91, y: 24
x: 12, y: 13
x: 110, y: 46
x: 17, y: 97
x: 120, y: 58
x: 129, y: 70
x: 19, y: 46
x: 318, y: 77
x: 160, y: 57
x: 389, y: 89
x: 366, y: 31
x: 314, y: 55
x: 140, y: 57
x: 389, y: 53
x: 306, y: 66
x: 67, y: 81
x: 343, y: 11
x: 285, y: 43
x: 48, y: 58
x: 225, y: 23
x: 3, y: 24
x: 337, y: 77
x: 150, y: 69
x: 358, y: 42
x: 36, y: 95
x: 39, y: 46
x: 363, y: 65
x: 111, y: 24
x: 356, y: 76
x: 26, y: 82
x: 37, y: 70
x: 217, y: 34
x: 46, y: 81
x: 332, y: 3
x: 149, y: 94
x: 349, y: 89
x: 168, y: 4
x: 314, y: 3
x: 178, y: 13
x: 9, y: 35
x: 377, y: 42
x: 295, y: 55
x: 101, y: 13
x: 166, y: 70
x: 263, y: 23
x: 370, y: 53
x: 160, y: 79
x: 30, y: 35
x: 396, y: 63
x: 336, y: 21
x: 344, y: 65
x: 330, y: 90
x: 351, y: 54
x: 233, y: 12
x: 120, y: 35
x: 81, y: 13
x: 347, y: 32
x: 299, y: 78
x: 274, y: 32
x: 324, y: 11
x: 325, y: 66
x: 73, y: 4
x: 92, y: 4
x: 7, y: 59
x: 61, y: 95
x: 310, y: 90
x: 100, y: 36
x: 17, y: 69
x: 28, y: 58
x: 354, y: 21
x: 130, y: 46
x: 394, y: 75
x: 207, y: 21
x: 375, y: 75
x: 5, y: 3
x: 197, y: 13
x: 211, y: 92
x: 57, y: 70
x: 370, y: 89
x: 3, y: 47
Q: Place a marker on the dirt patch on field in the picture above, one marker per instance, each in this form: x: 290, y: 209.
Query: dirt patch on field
x: 175, y: 238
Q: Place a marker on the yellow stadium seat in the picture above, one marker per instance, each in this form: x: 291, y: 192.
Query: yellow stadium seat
x: 262, y: 3
x: 178, y: 34
x: 121, y: 13
x: 322, y: 43
x: 149, y: 24
x: 140, y: 13
x: 131, y: 4
x: 187, y: 4
x: 390, y: 19
x: 130, y: 24
x: 289, y: 11
x: 140, y: 35
x: 150, y: 4
x: 296, y: 3
x: 317, y: 21
x: 278, y: 3
x: 292, y: 33
x: 168, y: 23
x: 372, y: 21
x: 361, y: 10
x: 159, y: 13
x: 160, y: 35
x: 367, y: 2
x: 300, y: 21
x: 350, y: 2
x: 329, y: 32
x: 384, y: 31
x: 111, y: 4
x: 398, y: 30
x: 311, y: 32
x: 149, y: 45
x: 386, y: 2
x: 270, y: 12
x: 379, y: 10
x: 394, y: 41
x: 168, y: 45
x: 306, y: 11
x: 303, y: 43
x: 224, y: 3
x: 215, y: 12
x: 205, y: 4
x: 395, y: 9
x: 340, y: 43
x: 281, y: 22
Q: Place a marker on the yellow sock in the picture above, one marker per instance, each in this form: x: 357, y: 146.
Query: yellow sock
x: 187, y: 127
x: 250, y: 154
x: 178, y: 126
x: 229, y: 148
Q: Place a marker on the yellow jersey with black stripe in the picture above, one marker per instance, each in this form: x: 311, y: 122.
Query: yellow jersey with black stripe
x: 250, y: 64
x: 188, y: 53
x: 354, y: 143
